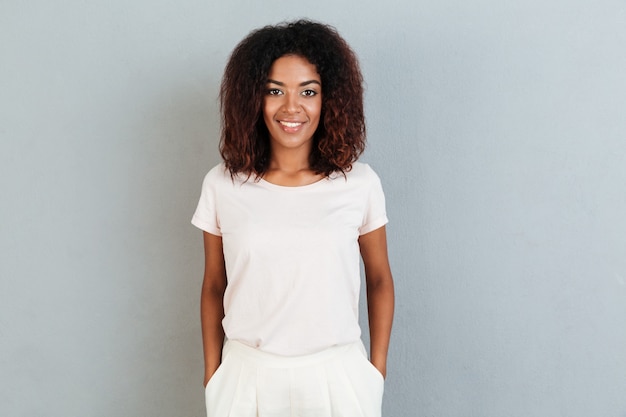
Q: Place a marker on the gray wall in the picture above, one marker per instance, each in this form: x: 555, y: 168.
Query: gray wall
x: 498, y: 129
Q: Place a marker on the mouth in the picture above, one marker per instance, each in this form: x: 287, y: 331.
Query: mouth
x: 290, y: 124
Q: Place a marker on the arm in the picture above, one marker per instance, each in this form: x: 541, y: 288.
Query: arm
x: 380, y: 296
x: 212, y: 304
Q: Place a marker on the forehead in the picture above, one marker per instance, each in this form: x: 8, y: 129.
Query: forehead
x: 293, y: 67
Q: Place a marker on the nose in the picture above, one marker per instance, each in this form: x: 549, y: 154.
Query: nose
x: 292, y: 104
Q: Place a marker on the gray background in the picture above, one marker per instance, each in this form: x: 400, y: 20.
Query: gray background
x: 497, y: 127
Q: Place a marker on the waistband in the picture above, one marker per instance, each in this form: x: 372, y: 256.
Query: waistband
x: 248, y: 353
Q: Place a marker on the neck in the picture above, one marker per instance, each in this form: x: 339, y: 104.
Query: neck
x: 292, y: 160
x: 290, y: 168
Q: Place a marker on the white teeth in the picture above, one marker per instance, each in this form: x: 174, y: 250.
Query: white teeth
x: 291, y: 124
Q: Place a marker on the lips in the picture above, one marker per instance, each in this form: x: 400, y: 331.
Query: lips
x: 290, y: 124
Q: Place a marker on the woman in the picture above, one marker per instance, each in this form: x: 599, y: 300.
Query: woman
x: 284, y: 219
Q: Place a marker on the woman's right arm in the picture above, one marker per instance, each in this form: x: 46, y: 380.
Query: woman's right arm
x: 212, y: 304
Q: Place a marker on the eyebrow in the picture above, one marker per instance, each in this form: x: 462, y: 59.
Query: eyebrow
x: 302, y: 84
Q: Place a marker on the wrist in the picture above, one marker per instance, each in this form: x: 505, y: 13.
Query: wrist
x: 382, y: 368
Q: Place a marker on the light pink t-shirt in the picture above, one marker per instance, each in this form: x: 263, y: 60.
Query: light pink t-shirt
x: 292, y: 256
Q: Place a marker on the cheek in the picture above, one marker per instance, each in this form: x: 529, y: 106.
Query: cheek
x: 264, y: 108
x: 268, y: 113
x: 315, y: 110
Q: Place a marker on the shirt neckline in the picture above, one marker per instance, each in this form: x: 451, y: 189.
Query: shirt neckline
x: 268, y: 184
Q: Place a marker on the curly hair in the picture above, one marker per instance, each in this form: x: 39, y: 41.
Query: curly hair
x: 340, y: 137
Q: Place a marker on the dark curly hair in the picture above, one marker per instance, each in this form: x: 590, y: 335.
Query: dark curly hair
x: 340, y: 137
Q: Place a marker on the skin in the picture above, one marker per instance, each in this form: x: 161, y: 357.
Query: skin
x: 380, y: 294
x: 294, y: 95
x: 211, y: 304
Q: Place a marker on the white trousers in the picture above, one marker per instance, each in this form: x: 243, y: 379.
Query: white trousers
x: 337, y: 382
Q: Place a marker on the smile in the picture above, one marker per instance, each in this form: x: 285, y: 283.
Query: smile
x: 290, y: 124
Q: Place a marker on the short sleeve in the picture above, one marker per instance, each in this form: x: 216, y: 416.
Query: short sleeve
x: 205, y: 216
x: 375, y: 212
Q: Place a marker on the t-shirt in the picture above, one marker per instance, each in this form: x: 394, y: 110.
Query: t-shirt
x: 291, y: 256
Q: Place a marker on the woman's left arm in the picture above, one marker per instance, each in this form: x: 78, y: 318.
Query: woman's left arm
x: 380, y: 295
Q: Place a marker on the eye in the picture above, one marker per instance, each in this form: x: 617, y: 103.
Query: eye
x: 273, y: 92
x: 309, y: 93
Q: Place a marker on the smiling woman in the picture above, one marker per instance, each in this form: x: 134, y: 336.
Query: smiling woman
x: 340, y: 137
x: 291, y: 111
x: 284, y: 219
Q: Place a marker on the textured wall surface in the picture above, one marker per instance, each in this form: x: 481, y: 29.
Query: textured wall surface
x: 498, y: 129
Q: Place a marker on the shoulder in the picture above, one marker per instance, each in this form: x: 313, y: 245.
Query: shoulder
x: 217, y: 175
x: 219, y: 179
x: 219, y: 171
x: 216, y: 179
x: 362, y: 172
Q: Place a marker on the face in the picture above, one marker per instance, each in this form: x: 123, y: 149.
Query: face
x: 292, y: 103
